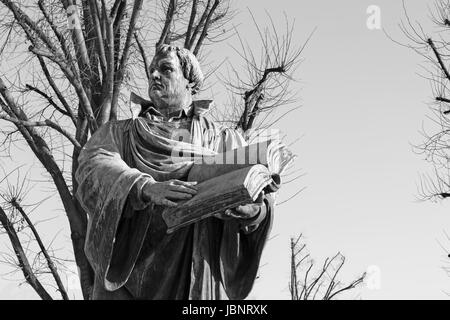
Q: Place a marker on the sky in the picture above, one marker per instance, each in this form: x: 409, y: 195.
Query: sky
x: 362, y: 107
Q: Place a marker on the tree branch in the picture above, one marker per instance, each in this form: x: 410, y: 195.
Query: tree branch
x: 98, y: 34
x: 308, y: 284
x: 72, y: 77
x: 206, y: 27
x: 108, y: 78
x: 56, y: 89
x: 143, y: 55
x: 199, y: 25
x: 120, y: 73
x: 25, y: 22
x: 191, y: 23
x: 59, y: 36
x: 117, y: 14
x: 24, y: 264
x: 77, y: 221
x: 45, y: 123
x: 78, y: 39
x: 253, y: 99
x: 439, y: 58
x: 48, y: 98
x: 352, y: 285
x: 171, y: 8
x: 44, y: 251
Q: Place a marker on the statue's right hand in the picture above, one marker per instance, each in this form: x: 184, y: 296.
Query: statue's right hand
x: 168, y: 192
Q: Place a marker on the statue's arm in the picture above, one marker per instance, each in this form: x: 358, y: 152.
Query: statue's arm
x: 103, y: 175
x: 251, y: 215
x: 105, y: 181
x: 241, y: 251
x: 252, y: 224
x: 135, y: 199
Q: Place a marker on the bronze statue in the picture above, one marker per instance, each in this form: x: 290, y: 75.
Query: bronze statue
x: 127, y: 175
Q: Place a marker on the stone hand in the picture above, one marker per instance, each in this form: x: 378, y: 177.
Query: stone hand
x: 247, y: 211
x: 168, y: 192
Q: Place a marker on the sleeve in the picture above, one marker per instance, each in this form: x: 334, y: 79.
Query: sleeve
x: 134, y: 201
x: 104, y: 185
x: 241, y: 250
x: 250, y: 225
x: 241, y: 246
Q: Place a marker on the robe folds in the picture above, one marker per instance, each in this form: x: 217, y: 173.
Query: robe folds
x: 129, y: 250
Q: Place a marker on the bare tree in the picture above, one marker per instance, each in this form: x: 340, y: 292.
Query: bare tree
x: 266, y: 83
x: 433, y: 45
x: 72, y: 61
x: 309, y: 284
x: 30, y: 255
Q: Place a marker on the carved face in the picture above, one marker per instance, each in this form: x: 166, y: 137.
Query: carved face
x: 168, y: 88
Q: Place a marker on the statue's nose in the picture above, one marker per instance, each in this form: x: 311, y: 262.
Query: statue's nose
x: 155, y: 74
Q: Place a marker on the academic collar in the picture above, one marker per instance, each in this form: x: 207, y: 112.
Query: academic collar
x: 179, y: 114
x: 198, y: 107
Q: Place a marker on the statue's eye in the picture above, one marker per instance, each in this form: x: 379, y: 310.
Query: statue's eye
x: 166, y: 69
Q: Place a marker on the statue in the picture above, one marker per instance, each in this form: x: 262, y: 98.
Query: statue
x: 127, y: 176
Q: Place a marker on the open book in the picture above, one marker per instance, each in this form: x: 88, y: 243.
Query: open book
x: 230, y: 179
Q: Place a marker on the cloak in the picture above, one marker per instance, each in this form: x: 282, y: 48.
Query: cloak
x: 128, y: 248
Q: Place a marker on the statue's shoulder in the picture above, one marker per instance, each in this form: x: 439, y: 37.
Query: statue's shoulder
x: 115, y: 127
x: 124, y: 124
x: 202, y: 107
x: 202, y: 111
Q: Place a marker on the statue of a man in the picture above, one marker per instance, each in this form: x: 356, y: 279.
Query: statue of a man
x: 127, y: 175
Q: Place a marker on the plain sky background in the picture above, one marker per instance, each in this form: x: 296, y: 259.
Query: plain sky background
x: 362, y: 107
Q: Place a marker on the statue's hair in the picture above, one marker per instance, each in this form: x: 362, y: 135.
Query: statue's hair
x: 189, y: 64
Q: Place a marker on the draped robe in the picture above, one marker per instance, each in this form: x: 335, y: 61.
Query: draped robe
x: 129, y: 250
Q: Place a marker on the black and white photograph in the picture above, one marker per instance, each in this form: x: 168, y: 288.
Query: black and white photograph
x: 247, y: 151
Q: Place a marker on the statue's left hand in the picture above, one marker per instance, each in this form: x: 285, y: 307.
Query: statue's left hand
x: 247, y: 211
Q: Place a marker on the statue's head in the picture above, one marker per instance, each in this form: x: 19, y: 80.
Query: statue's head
x: 175, y: 76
